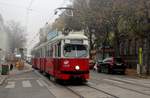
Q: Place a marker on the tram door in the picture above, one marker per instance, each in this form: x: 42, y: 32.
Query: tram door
x: 57, y: 60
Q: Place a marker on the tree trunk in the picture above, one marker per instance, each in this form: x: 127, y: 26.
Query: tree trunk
x: 117, y: 44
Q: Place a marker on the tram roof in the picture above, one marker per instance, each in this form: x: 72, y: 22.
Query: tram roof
x: 71, y: 35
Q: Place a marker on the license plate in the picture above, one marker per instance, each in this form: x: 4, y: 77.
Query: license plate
x: 119, y: 64
x: 118, y: 69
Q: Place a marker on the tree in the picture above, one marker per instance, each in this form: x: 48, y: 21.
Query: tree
x: 126, y: 20
x: 3, y: 35
x: 17, y: 38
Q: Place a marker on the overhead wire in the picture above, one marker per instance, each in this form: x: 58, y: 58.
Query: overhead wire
x: 27, y: 13
x: 11, y: 5
x: 53, y: 12
x: 50, y: 18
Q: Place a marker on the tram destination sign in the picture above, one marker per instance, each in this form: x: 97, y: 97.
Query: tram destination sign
x: 76, y: 41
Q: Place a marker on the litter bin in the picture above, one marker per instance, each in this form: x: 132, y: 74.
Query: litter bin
x: 5, y: 69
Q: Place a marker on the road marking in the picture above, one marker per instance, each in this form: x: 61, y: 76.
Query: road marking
x: 15, y: 79
x: 40, y: 83
x: 26, y: 84
x: 113, y: 81
x: 10, y: 85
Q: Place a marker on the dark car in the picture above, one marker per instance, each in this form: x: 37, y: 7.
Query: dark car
x: 112, y: 65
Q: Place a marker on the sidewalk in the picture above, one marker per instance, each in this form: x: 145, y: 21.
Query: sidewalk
x: 15, y: 71
x: 133, y: 73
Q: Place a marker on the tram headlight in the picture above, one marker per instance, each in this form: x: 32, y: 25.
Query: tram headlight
x: 77, y: 67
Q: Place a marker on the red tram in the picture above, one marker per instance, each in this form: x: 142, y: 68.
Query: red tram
x: 63, y: 57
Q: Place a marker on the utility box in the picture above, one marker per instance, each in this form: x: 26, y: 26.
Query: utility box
x: 5, y: 70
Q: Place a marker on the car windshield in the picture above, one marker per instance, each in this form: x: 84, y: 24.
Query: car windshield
x: 107, y: 60
x: 74, y: 50
x: 118, y: 60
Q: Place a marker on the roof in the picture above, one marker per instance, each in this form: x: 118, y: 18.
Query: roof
x: 71, y: 35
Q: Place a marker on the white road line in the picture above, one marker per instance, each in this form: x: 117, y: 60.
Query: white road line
x: 15, y: 79
x: 26, y: 84
x: 10, y: 85
x: 45, y: 84
x: 113, y: 81
x: 40, y: 83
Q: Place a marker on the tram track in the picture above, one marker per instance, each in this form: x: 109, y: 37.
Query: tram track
x: 75, y: 92
x: 51, y: 83
x: 79, y: 95
x: 136, y: 84
x: 106, y: 94
x: 102, y: 91
x: 91, y: 89
x: 113, y: 84
x: 70, y: 89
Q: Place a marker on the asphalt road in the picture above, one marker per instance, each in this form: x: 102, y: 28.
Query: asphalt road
x: 27, y: 85
x: 120, y: 85
x: 34, y: 85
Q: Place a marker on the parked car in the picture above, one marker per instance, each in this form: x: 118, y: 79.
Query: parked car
x: 112, y: 65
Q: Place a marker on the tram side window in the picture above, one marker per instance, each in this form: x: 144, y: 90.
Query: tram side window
x: 45, y: 51
x: 51, y: 51
x: 48, y: 54
x: 38, y: 53
x: 59, y: 49
x: 41, y: 54
x: 55, y: 50
x: 48, y: 51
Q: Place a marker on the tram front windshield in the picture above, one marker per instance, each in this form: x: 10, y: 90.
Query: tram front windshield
x: 74, y: 50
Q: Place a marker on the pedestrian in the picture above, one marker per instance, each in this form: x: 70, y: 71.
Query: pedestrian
x: 11, y: 66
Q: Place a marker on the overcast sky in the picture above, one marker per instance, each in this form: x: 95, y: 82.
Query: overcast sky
x: 41, y: 11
